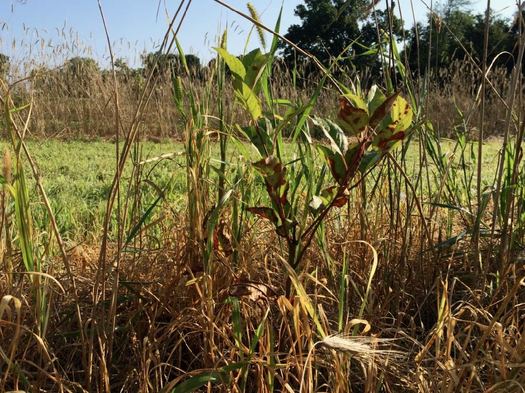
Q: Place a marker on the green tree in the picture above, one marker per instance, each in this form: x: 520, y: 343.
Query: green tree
x: 194, y: 63
x: 384, y: 22
x: 81, y: 67
x: 346, y: 28
x: 327, y: 29
x: 168, y: 64
x: 78, y: 75
x: 121, y: 66
x: 454, y: 33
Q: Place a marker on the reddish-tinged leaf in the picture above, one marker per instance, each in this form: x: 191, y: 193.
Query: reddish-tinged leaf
x: 351, y: 117
x: 329, y: 195
x: 283, y: 194
x: 281, y: 231
x: 273, y: 171
x: 394, y: 125
x: 335, y: 162
x: 341, y: 201
x: 383, y: 110
x: 353, y: 158
x: 386, y: 144
x: 264, y: 212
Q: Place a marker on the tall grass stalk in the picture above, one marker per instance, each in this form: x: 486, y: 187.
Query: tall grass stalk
x: 482, y: 129
x: 254, y: 271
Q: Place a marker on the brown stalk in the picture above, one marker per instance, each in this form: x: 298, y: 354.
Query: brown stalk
x: 116, y: 267
x: 7, y: 103
x: 481, y: 132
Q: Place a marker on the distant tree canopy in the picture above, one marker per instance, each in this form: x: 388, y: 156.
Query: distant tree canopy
x: 455, y: 33
x: 356, y: 29
x: 76, y: 77
x: 168, y: 64
x: 79, y: 74
x: 346, y: 28
x: 326, y: 29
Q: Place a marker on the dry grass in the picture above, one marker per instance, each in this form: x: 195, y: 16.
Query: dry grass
x: 449, y: 332
x: 81, y: 108
x: 395, y: 293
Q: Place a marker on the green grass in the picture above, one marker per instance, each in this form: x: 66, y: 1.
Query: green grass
x: 77, y: 176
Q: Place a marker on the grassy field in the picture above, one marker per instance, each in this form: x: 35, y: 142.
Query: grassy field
x: 313, y: 239
x: 77, y: 176
x: 172, y: 234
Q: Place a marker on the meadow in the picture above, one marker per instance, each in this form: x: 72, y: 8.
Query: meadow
x: 77, y: 176
x: 237, y: 231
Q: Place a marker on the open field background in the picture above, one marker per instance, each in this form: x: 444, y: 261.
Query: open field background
x: 77, y: 176
x: 253, y: 227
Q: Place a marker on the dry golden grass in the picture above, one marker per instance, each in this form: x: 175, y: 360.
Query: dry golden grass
x: 396, y: 292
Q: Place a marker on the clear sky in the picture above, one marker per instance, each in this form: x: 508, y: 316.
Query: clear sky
x: 51, y: 30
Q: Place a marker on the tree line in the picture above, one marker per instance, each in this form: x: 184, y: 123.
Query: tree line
x: 353, y: 34
x: 356, y: 33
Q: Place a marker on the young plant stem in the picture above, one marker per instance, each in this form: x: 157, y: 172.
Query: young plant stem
x: 481, y: 134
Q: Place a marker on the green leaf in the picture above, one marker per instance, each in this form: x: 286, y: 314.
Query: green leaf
x: 334, y: 133
x: 370, y: 159
x: 354, y: 156
x: 451, y: 241
x: 234, y: 64
x: 392, y: 128
x: 195, y: 382
x: 375, y: 98
x: 259, y: 138
x: 383, y: 110
x: 305, y: 111
x: 250, y: 100
x: 254, y: 64
x: 182, y: 57
x: 135, y: 230
x: 402, y: 114
x: 336, y: 162
x: 258, y: 333
x: 236, y: 321
x: 198, y: 381
x: 326, y: 197
x: 178, y: 94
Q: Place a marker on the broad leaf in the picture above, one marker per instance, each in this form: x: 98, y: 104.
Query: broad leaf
x: 249, y: 100
x: 369, y: 160
x: 234, y: 64
x: 264, y: 212
x: 336, y: 163
x: 334, y: 133
x: 272, y: 170
x: 375, y: 98
x: 383, y: 110
x: 328, y: 196
x: 259, y: 138
x: 353, y: 114
x: 392, y: 128
x: 254, y: 63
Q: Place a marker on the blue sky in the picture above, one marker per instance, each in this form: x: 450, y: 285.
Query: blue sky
x: 51, y: 30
